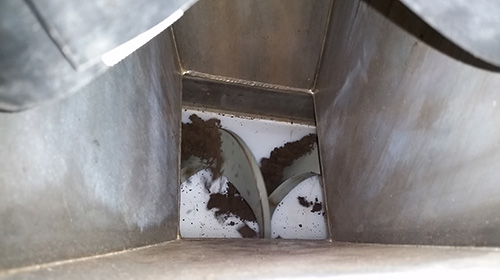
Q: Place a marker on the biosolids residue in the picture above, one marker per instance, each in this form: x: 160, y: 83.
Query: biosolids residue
x: 231, y: 203
x: 316, y: 205
x: 282, y: 157
x: 202, y: 139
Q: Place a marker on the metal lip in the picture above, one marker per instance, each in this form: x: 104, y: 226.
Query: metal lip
x: 222, y: 94
x: 242, y: 82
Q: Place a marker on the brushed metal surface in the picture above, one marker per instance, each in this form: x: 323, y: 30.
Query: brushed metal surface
x: 276, y: 259
x: 408, y: 132
x: 85, y: 30
x: 241, y: 99
x: 242, y: 170
x: 33, y: 70
x: 277, y: 41
x: 51, y: 48
x: 97, y: 172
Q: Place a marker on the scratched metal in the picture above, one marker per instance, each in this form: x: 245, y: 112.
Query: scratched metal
x: 97, y: 172
x: 408, y: 132
x: 274, y: 41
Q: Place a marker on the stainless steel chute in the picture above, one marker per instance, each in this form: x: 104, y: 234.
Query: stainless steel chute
x: 404, y: 95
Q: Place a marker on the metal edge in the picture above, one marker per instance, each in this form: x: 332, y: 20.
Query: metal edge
x: 179, y: 126
x: 323, y: 44
x: 282, y: 191
x: 323, y: 183
x: 265, y: 227
x: 247, y: 99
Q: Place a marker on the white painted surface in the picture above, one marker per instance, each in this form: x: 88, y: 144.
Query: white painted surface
x: 261, y: 136
x: 291, y: 220
x: 196, y: 220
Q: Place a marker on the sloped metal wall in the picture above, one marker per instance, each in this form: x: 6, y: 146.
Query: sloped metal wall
x: 277, y: 42
x: 408, y: 127
x: 96, y: 172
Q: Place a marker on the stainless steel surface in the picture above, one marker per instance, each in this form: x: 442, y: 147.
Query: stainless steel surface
x: 306, y: 163
x: 302, y: 168
x: 51, y: 48
x: 277, y: 259
x: 277, y: 41
x: 190, y: 167
x: 407, y: 126
x: 247, y: 99
x: 97, y: 172
x: 242, y: 170
x: 284, y: 188
x: 85, y: 30
x: 408, y: 132
x: 475, y: 26
x: 33, y: 70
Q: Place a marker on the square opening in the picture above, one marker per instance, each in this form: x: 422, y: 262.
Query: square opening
x: 268, y: 183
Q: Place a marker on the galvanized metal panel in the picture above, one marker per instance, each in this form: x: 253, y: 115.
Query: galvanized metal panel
x: 97, y: 172
x: 408, y: 132
x: 277, y: 42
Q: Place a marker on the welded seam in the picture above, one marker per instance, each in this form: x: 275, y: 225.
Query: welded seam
x: 321, y: 168
x: 236, y: 81
x: 179, y: 129
x: 179, y: 61
x: 313, y: 91
x: 321, y: 53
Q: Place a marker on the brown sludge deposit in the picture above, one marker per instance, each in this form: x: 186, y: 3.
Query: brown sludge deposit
x: 202, y: 139
x: 232, y: 203
x: 282, y: 157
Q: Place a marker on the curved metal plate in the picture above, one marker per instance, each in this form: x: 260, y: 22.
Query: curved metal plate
x: 472, y: 25
x: 190, y: 167
x: 300, y: 214
x: 306, y: 163
x: 242, y: 170
x: 285, y: 188
x: 209, y: 209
